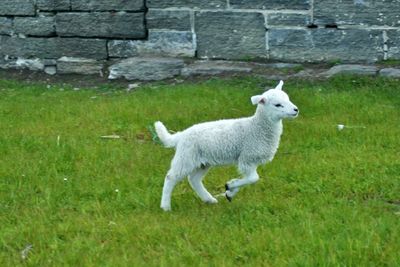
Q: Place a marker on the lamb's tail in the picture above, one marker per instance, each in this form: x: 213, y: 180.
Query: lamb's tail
x: 169, y: 140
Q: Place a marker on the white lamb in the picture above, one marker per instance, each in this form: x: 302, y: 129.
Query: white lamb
x: 247, y: 142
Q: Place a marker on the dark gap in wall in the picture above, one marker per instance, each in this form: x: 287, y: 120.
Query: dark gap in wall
x: 84, y: 37
x: 41, y: 36
x: 6, y: 35
x: 35, y: 6
x: 99, y: 11
x: 107, y: 53
x: 312, y: 26
x: 331, y: 26
x: 21, y: 16
x: 53, y: 11
x: 55, y: 35
x: 145, y: 20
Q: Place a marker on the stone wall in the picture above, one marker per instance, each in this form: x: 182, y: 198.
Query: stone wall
x: 100, y: 31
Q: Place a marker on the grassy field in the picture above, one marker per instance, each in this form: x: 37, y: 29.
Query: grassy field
x: 71, y: 198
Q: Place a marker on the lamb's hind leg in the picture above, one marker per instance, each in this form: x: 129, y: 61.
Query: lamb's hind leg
x: 195, y: 180
x: 170, y: 182
x: 250, y: 176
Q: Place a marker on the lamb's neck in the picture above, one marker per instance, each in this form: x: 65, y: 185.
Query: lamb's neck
x: 267, y: 122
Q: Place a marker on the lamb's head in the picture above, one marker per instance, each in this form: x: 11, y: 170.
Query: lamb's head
x: 276, y: 103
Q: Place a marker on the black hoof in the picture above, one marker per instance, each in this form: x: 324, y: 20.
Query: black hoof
x: 227, y: 187
x: 228, y: 197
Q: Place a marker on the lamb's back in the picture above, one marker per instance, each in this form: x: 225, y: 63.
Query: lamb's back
x: 216, y: 142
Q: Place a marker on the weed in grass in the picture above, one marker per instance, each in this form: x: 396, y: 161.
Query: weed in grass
x: 390, y: 63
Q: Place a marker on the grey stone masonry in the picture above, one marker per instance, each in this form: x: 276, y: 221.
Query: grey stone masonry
x: 159, y: 43
x: 197, y: 4
x: 34, y: 26
x: 288, y: 19
x: 79, y: 65
x: 270, y: 4
x: 357, y: 12
x: 393, y: 44
x: 107, y: 5
x: 17, y: 7
x: 52, y: 47
x: 236, y: 35
x: 53, y: 5
x: 101, y: 24
x: 6, y: 25
x: 390, y: 72
x: 318, y: 45
x: 352, y: 69
x: 167, y: 19
x: 348, y: 31
x: 146, y: 68
x: 205, y: 67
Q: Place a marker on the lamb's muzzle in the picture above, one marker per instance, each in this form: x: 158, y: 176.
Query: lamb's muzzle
x: 246, y: 142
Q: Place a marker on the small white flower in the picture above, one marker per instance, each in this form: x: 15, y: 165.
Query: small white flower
x: 25, y: 251
x: 117, y: 190
x: 340, y: 127
x: 65, y: 179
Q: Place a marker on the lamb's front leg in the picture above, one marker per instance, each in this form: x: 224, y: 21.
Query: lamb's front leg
x: 250, y: 176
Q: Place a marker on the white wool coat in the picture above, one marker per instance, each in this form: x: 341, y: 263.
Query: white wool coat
x: 247, y: 142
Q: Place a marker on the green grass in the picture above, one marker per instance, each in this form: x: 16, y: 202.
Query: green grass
x: 389, y: 63
x: 329, y: 198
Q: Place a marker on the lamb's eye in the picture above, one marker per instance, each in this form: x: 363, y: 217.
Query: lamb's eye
x: 278, y: 106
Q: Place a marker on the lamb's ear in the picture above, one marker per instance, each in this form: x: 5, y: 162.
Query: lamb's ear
x: 258, y: 99
x: 279, y: 86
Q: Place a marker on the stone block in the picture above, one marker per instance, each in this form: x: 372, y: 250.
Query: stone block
x: 288, y: 19
x: 101, y: 24
x: 17, y: 7
x: 70, y: 65
x: 168, y: 19
x: 124, y: 48
x: 271, y: 4
x: 197, y: 4
x: 390, y: 72
x: 351, y: 69
x: 159, y: 43
x: 146, y: 69
x: 6, y: 25
x: 53, y: 5
x: 214, y: 67
x: 6, y: 63
x: 107, y: 5
x: 318, y: 45
x: 52, y: 47
x: 79, y: 47
x: 49, y: 62
x: 30, y: 64
x: 230, y: 35
x: 34, y: 26
x: 34, y: 64
x: 282, y: 65
x: 51, y: 70
x: 357, y: 12
x: 393, y: 44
